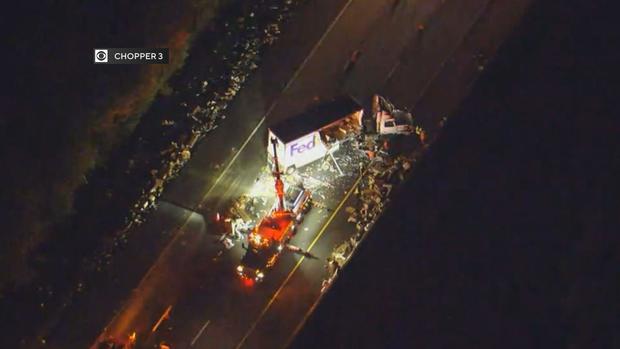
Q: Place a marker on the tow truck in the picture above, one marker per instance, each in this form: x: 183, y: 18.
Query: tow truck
x: 273, y: 232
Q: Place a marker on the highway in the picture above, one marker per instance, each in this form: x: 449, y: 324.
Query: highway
x: 175, y: 262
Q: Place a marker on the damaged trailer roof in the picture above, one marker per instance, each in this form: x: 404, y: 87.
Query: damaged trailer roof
x: 315, y: 118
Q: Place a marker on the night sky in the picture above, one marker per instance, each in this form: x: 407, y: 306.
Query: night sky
x: 507, y: 234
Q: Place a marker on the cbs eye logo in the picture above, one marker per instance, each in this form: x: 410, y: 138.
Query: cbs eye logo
x: 101, y: 55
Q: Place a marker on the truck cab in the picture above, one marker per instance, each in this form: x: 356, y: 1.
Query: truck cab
x: 298, y: 200
x: 390, y: 120
x: 397, y: 122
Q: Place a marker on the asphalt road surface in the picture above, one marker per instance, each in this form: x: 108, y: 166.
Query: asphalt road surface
x: 176, y: 267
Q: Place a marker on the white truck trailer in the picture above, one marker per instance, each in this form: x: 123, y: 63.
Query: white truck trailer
x: 313, y: 134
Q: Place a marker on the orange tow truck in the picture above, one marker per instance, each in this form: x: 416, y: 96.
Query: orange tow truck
x: 272, y: 233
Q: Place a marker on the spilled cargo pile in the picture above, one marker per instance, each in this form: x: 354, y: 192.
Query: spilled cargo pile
x: 365, y: 167
x: 384, y: 172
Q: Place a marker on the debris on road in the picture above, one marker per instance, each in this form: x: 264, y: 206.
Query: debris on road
x: 386, y: 164
x: 238, y: 53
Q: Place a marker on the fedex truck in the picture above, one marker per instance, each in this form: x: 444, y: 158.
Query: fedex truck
x: 313, y: 134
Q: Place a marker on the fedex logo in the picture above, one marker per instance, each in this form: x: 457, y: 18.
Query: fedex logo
x: 302, y: 146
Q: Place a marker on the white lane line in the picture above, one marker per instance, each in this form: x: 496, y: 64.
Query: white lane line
x: 389, y: 76
x: 452, y: 52
x: 270, y: 109
x: 316, y: 46
x: 260, y: 123
x: 308, y: 249
x: 204, y: 327
x: 219, y: 178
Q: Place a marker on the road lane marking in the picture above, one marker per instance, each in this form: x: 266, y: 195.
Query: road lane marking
x: 321, y: 294
x: 452, y: 52
x: 275, y: 102
x: 163, y: 317
x: 290, y: 339
x: 392, y: 71
x: 458, y: 46
x: 288, y: 277
x: 230, y: 163
x: 200, y: 333
x: 219, y: 178
x: 316, y: 46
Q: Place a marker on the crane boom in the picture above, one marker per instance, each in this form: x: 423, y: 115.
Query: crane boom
x: 272, y: 233
x: 279, y: 184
